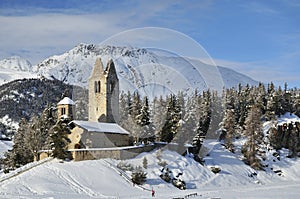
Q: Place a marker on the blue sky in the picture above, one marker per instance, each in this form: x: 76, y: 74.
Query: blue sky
x: 257, y: 38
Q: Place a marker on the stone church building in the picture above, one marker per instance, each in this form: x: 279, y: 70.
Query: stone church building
x: 101, y: 131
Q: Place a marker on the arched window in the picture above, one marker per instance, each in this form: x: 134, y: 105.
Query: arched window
x: 97, y: 86
x: 111, y: 87
x: 63, y: 111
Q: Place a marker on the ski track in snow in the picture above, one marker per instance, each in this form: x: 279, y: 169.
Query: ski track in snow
x: 74, y: 184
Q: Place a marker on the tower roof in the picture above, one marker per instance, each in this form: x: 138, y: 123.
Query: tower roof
x: 98, y: 68
x: 66, y: 101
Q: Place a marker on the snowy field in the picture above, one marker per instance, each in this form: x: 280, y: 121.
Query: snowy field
x: 5, y: 146
x: 98, y: 179
x: 101, y: 179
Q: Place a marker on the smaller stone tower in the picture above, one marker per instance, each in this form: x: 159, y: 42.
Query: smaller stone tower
x: 66, y: 108
x: 104, y: 93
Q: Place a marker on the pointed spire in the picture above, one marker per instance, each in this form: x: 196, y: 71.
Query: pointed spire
x: 110, y: 68
x: 98, y: 68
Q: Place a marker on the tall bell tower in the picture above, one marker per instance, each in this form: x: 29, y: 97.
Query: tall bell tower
x: 104, y: 93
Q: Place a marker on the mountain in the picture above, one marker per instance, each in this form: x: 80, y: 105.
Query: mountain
x: 16, y: 63
x: 150, y: 71
x: 140, y: 69
x: 15, y: 68
x: 27, y: 97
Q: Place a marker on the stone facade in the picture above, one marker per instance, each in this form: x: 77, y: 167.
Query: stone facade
x: 82, y: 138
x: 65, y: 107
x: 120, y: 153
x: 104, y: 93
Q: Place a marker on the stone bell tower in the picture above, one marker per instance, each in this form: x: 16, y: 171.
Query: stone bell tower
x: 104, y: 93
x: 66, y: 108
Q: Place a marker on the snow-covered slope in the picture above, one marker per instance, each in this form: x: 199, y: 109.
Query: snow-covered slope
x: 5, y: 145
x: 101, y: 179
x: 16, y: 63
x: 15, y: 68
x: 137, y: 68
x: 98, y: 179
x: 146, y: 70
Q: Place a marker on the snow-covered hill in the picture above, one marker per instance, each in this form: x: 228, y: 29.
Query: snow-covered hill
x: 102, y: 179
x: 5, y: 145
x: 98, y: 179
x: 142, y: 69
x: 15, y: 68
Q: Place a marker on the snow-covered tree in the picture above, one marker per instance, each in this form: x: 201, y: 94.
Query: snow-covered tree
x: 173, y: 117
x: 19, y: 155
x: 138, y: 176
x: 254, y: 134
x: 59, y: 138
x: 229, y: 125
x: 159, y: 112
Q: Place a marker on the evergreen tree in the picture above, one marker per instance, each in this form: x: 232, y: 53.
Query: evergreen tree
x: 228, y: 125
x: 293, y: 142
x: 189, y: 126
x: 296, y: 103
x: 19, y: 155
x: 34, y: 138
x: 275, y: 138
x: 171, y: 125
x: 253, y: 132
x: 59, y: 138
x: 287, y: 105
x: 143, y: 120
x: 159, y: 113
x: 138, y: 176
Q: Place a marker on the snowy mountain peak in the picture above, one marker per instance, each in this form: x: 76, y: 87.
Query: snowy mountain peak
x: 139, y: 69
x: 16, y: 63
x: 151, y: 71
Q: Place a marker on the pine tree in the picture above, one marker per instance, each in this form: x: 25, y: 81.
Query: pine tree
x: 293, y: 142
x: 253, y: 132
x: 144, y: 121
x: 59, y: 138
x: 34, y: 138
x: 189, y: 126
x: 228, y: 125
x: 19, y: 155
x: 275, y: 137
x: 171, y: 125
x: 138, y: 176
x: 145, y: 163
x: 159, y: 113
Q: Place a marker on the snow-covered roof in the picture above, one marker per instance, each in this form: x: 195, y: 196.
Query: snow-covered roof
x: 101, y: 127
x: 66, y: 100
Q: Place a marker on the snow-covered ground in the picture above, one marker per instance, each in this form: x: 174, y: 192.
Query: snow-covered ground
x: 98, y: 179
x: 5, y: 146
x: 101, y: 178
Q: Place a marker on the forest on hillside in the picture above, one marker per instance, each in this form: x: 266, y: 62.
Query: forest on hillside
x: 237, y: 112
x: 177, y: 118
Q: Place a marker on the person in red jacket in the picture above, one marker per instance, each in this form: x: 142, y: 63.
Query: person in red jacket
x: 153, y: 192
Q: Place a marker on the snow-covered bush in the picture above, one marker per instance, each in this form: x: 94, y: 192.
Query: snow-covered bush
x: 215, y: 169
x: 166, y: 175
x: 125, y: 166
x: 138, y: 176
x: 180, y: 184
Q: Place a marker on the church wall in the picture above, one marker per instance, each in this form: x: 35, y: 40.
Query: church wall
x: 75, y: 137
x: 119, y: 154
x: 103, y: 140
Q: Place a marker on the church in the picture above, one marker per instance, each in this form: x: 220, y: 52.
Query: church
x: 101, y: 131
